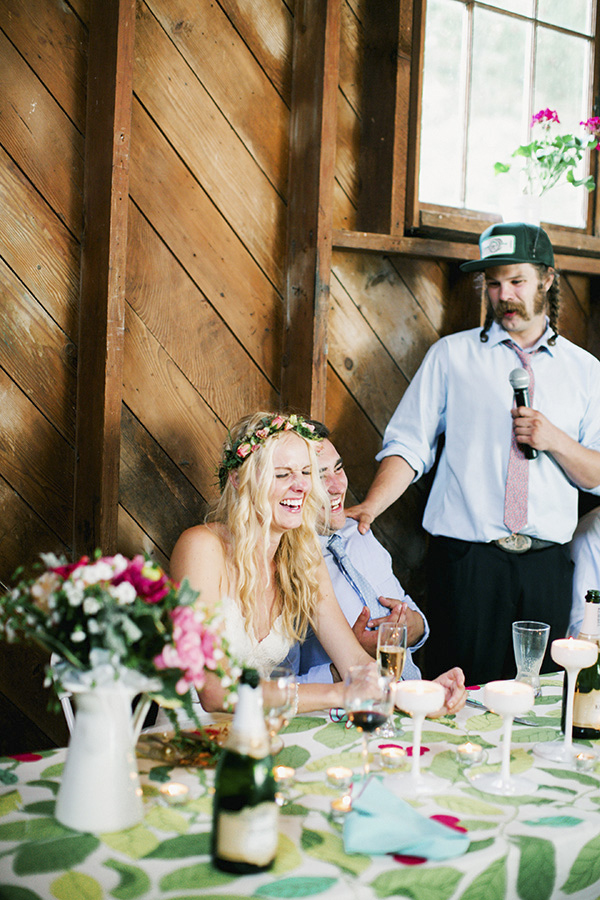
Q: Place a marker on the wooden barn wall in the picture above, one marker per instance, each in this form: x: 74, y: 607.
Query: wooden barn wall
x: 204, y: 285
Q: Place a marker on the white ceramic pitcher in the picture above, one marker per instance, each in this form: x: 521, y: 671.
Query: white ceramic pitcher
x: 100, y: 788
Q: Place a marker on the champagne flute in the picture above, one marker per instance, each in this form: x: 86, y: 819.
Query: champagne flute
x: 391, y: 656
x: 368, y: 700
x: 278, y: 698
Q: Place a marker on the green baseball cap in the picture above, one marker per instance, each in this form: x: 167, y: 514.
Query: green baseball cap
x: 511, y: 242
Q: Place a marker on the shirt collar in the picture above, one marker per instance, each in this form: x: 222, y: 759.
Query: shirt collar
x: 497, y: 335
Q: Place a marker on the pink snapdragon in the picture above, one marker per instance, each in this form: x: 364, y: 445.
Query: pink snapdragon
x: 195, y: 648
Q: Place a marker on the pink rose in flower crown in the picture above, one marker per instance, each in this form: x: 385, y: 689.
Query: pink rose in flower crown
x: 149, y: 582
x: 243, y: 450
x: 277, y: 421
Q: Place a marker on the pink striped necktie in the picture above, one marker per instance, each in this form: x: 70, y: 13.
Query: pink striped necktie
x: 517, y: 476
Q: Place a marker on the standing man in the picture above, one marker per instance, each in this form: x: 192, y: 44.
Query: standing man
x: 499, y: 522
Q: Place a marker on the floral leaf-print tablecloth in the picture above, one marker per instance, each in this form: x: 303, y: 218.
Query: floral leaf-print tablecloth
x: 535, y: 847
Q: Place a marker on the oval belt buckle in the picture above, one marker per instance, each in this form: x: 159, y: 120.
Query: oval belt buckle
x: 516, y: 543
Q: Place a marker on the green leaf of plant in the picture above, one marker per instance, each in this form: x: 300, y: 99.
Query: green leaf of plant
x: 303, y: 723
x: 133, y: 881
x: 304, y: 886
x: 54, y: 855
x: 537, y: 869
x: 419, y: 884
x: 489, y: 884
x: 293, y: 756
x: 190, y: 877
x: 76, y: 884
x: 182, y: 846
x: 585, y: 871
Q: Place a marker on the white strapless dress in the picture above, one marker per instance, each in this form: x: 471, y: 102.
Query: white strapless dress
x: 244, y: 646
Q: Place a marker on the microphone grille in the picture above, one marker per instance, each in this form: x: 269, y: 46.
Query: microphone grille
x: 519, y: 379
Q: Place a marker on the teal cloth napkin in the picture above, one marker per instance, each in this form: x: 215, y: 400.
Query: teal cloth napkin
x: 381, y: 822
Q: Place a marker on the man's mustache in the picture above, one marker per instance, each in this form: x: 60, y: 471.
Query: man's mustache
x: 502, y: 308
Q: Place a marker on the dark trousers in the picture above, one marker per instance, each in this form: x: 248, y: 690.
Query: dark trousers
x: 476, y: 592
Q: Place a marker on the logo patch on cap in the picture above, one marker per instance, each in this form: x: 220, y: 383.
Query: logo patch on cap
x: 498, y: 244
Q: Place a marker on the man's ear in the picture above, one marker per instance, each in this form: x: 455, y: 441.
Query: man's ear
x: 549, y: 278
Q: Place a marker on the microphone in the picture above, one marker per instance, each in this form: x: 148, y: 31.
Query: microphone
x: 519, y: 379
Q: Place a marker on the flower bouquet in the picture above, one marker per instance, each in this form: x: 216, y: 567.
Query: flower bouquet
x: 115, y: 628
x: 549, y: 157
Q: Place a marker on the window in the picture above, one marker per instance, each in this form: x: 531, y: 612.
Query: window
x: 488, y: 67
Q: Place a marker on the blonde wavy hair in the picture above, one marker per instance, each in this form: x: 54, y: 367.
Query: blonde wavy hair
x: 245, y: 511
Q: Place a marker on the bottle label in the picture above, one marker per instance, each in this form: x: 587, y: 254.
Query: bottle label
x: 248, y: 835
x: 586, y: 710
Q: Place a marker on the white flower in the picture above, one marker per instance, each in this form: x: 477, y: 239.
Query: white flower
x: 99, y: 571
x: 74, y: 592
x: 43, y: 589
x: 118, y: 564
x: 78, y: 636
x: 123, y: 593
x: 91, y: 606
x: 93, y: 626
x: 50, y: 560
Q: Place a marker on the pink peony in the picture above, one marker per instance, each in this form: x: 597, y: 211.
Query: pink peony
x: 65, y: 571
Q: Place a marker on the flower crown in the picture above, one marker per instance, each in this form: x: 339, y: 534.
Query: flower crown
x: 238, y: 451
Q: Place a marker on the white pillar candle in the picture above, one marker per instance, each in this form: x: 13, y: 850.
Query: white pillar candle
x: 508, y: 698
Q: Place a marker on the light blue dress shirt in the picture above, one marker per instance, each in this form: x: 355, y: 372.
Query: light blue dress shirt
x: 585, y: 553
x: 462, y: 389
x: 310, y: 660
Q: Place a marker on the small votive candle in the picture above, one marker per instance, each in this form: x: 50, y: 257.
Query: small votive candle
x: 340, y: 807
x: 339, y: 776
x: 284, y: 775
x: 392, y: 757
x: 174, y: 793
x: 468, y: 754
x: 585, y: 761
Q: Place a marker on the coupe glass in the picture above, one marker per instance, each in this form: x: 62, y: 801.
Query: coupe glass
x: 573, y: 655
x: 391, y: 656
x: 419, y: 699
x: 368, y: 700
x: 278, y: 698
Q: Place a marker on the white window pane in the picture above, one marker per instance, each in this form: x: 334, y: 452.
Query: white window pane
x: 442, y: 104
x: 524, y: 7
x: 562, y: 75
x: 499, y: 105
x: 573, y: 14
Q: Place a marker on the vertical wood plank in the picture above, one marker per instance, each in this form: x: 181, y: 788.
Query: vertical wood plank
x: 310, y: 203
x: 102, y: 302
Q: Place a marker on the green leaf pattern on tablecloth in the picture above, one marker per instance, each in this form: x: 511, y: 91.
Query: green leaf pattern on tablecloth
x: 32, y: 830
x: 135, y: 842
x: 53, y: 855
x: 14, y: 892
x: 188, y: 878
x: 293, y: 756
x: 166, y: 819
x: 573, y: 775
x: 352, y: 760
x: 489, y: 884
x: 586, y: 868
x: 76, y: 884
x: 553, y: 822
x: 333, y: 736
x: 133, y: 881
x: 288, y: 856
x: 303, y: 723
x: 9, y: 802
x: 182, y: 846
x: 537, y: 867
x: 330, y: 848
x: 303, y: 886
x: 419, y: 884
x: 7, y: 776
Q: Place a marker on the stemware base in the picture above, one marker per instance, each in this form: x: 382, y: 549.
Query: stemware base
x: 406, y: 784
x: 514, y: 786
x: 555, y: 751
x: 277, y: 745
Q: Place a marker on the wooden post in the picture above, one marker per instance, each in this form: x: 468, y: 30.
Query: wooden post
x: 315, y: 82
x: 103, y: 256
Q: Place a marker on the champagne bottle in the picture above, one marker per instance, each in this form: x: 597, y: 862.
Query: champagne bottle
x: 245, y: 813
x: 586, y: 703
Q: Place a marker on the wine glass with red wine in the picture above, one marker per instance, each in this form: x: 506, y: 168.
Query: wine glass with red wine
x: 368, y: 700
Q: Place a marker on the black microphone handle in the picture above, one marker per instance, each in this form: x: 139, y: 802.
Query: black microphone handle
x: 522, y: 399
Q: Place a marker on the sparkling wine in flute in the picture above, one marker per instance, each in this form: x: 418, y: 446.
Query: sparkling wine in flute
x: 391, y: 661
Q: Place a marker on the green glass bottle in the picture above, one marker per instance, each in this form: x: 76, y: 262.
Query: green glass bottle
x: 586, y: 703
x: 245, y: 813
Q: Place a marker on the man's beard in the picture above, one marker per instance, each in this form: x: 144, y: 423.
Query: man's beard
x: 539, y: 306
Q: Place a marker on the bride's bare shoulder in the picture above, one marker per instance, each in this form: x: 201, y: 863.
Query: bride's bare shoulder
x: 197, y: 544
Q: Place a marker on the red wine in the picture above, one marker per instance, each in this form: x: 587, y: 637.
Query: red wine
x: 367, y: 720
